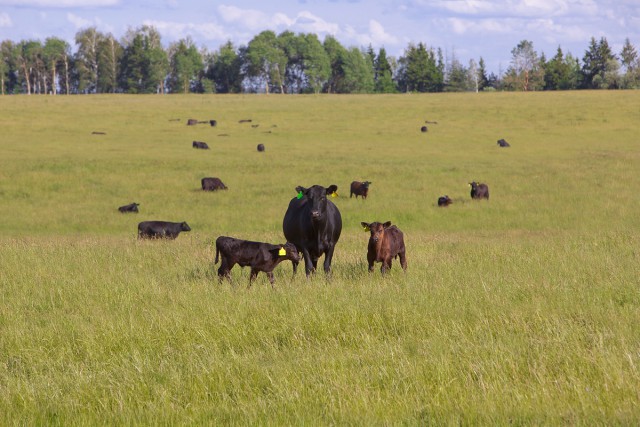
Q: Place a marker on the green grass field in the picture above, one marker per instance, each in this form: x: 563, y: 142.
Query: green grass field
x: 521, y: 310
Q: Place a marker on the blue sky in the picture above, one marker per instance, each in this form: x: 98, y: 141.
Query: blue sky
x: 464, y: 28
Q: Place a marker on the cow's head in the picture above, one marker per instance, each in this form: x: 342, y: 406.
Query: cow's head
x: 185, y: 227
x: 317, y: 196
x: 376, y: 229
x: 473, y: 185
x: 366, y: 184
x: 288, y: 251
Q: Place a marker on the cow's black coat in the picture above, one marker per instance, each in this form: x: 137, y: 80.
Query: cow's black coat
x: 313, y: 223
x: 132, y: 207
x: 161, y: 229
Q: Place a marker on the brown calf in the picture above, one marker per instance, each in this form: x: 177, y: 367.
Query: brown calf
x: 386, y: 242
x: 360, y: 189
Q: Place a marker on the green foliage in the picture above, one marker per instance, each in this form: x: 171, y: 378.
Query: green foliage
x: 419, y: 70
x: 520, y: 310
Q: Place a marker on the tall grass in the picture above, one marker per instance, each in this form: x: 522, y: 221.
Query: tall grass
x: 523, y: 309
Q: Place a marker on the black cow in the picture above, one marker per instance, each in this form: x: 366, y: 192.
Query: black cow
x: 360, y: 189
x: 257, y: 255
x: 313, y: 223
x: 192, y: 122
x: 423, y: 129
x: 212, y: 184
x: 503, y: 143
x: 260, y: 147
x: 479, y: 191
x: 161, y: 229
x: 213, y: 123
x: 385, y: 243
x: 444, y: 201
x: 133, y: 207
x: 200, y: 145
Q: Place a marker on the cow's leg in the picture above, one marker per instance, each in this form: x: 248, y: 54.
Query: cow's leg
x: 371, y: 260
x: 308, y: 263
x: 328, y: 256
x: 252, y: 276
x: 403, y: 260
x: 295, y: 266
x: 272, y: 279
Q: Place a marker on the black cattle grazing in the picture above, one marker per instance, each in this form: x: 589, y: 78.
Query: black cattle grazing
x: 192, y: 122
x: 257, y: 255
x: 201, y: 145
x: 132, y: 207
x: 360, y: 189
x: 212, y: 184
x: 161, y: 229
x: 479, y: 191
x: 245, y: 121
x: 95, y: 132
x: 213, y: 123
x: 385, y: 243
x: 503, y: 143
x: 423, y: 129
x: 260, y: 147
x: 313, y: 223
x: 444, y: 201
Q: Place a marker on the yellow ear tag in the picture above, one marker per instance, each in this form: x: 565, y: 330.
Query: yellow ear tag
x: 282, y: 252
x: 334, y: 194
x: 365, y: 228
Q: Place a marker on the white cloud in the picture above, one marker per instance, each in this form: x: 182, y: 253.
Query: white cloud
x: 310, y: 23
x: 78, y: 21
x: 378, y: 34
x: 5, y: 20
x: 179, y: 30
x: 249, y: 18
x: 60, y: 3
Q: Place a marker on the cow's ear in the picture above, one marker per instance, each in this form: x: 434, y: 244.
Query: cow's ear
x: 386, y: 224
x: 332, y: 189
x: 365, y: 226
x: 300, y: 188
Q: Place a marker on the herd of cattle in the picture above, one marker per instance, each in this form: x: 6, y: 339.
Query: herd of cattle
x: 312, y: 226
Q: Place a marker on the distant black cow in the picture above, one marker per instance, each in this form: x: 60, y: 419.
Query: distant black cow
x: 192, y: 122
x: 313, y: 223
x: 385, y: 243
x: 423, y: 129
x: 260, y: 147
x: 161, y: 229
x: 360, y: 189
x: 444, y: 201
x: 245, y: 121
x: 257, y: 255
x: 200, y: 145
x: 212, y: 184
x: 503, y: 143
x: 133, y: 207
x: 479, y: 191
x: 213, y: 123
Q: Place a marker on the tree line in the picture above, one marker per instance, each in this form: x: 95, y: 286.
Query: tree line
x: 291, y: 63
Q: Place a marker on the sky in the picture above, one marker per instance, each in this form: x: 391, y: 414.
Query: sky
x: 463, y: 29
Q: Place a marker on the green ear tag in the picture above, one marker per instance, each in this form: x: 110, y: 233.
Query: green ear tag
x: 282, y: 252
x: 299, y: 196
x: 365, y: 228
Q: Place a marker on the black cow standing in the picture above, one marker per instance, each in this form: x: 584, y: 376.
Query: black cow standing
x: 161, y: 229
x: 132, y: 207
x: 257, y: 255
x: 479, y: 190
x: 313, y: 223
x: 360, y: 189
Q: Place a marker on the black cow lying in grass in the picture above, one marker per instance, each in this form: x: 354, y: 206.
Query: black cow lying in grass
x: 132, y: 207
x: 257, y: 255
x: 200, y: 145
x: 161, y: 229
x: 503, y: 143
x: 212, y: 184
x: 444, y: 201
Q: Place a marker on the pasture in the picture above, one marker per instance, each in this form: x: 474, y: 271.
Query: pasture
x: 523, y: 309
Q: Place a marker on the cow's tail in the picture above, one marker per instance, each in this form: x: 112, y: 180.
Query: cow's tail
x: 217, y: 253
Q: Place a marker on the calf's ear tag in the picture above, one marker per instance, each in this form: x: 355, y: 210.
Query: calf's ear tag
x: 365, y: 227
x: 299, y: 196
x: 334, y: 194
x: 282, y: 252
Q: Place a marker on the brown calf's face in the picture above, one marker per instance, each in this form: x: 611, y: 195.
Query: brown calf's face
x: 290, y: 252
x: 376, y: 229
